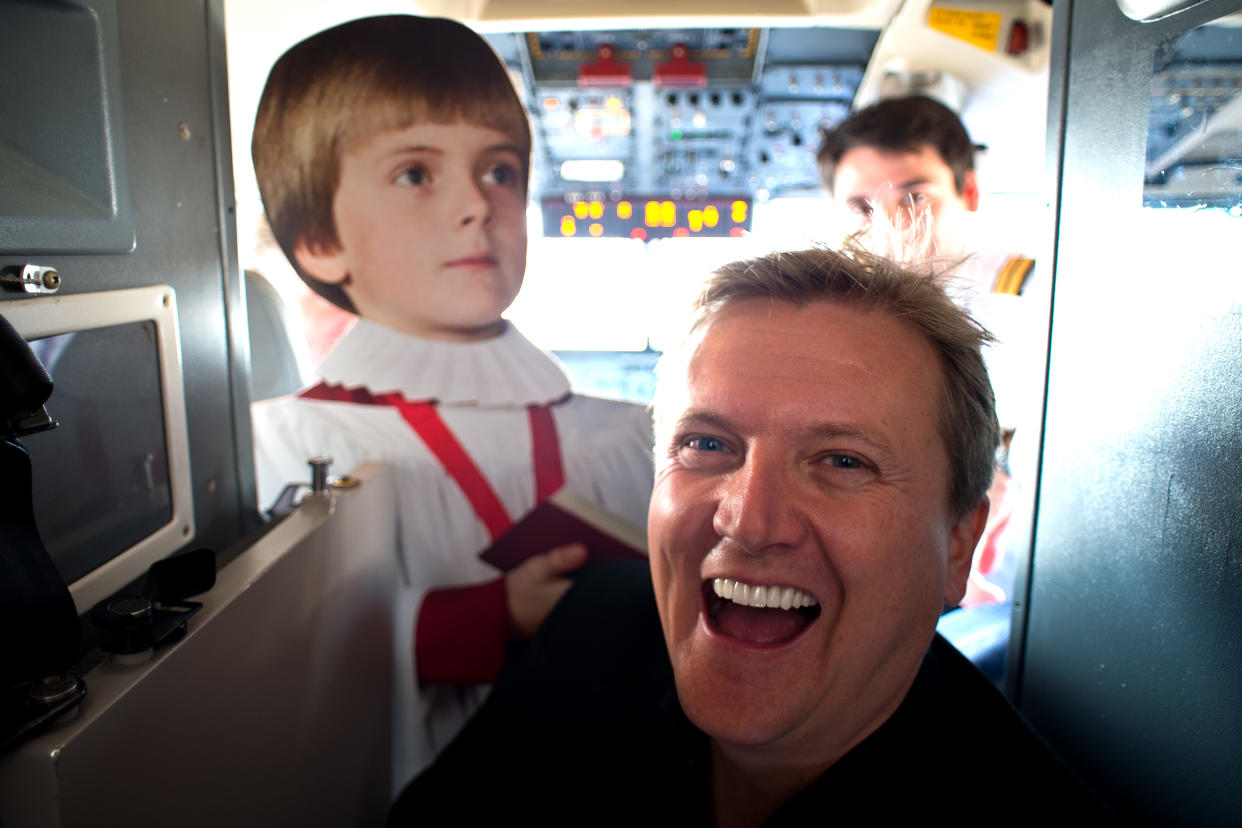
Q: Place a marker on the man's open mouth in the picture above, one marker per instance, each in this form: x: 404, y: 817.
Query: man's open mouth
x: 758, y: 614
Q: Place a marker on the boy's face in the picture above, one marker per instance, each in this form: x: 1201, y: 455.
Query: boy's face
x: 908, y: 188
x: 431, y: 230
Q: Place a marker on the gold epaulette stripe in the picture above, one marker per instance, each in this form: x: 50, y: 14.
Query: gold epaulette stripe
x: 1013, y: 275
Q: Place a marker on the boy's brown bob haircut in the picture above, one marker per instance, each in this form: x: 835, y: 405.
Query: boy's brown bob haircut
x: 901, y: 125
x: 339, y: 87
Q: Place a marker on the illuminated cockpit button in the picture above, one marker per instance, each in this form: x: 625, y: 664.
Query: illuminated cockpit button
x: 668, y: 214
x: 652, y: 214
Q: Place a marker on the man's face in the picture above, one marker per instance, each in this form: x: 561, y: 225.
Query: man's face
x: 909, y: 189
x: 431, y: 225
x: 801, y: 453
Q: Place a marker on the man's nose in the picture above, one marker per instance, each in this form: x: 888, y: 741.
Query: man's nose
x: 758, y: 506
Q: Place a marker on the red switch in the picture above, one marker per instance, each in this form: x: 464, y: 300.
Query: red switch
x: 680, y: 71
x: 605, y: 70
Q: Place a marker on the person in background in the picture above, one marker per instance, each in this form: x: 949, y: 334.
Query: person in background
x: 905, y: 168
x: 392, y: 155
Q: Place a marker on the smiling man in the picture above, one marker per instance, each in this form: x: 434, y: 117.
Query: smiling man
x: 803, y: 457
x: 825, y: 441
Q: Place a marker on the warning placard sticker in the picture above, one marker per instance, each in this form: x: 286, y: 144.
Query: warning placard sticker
x: 978, y: 28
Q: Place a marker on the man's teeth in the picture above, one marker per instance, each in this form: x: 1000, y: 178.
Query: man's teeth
x: 761, y: 596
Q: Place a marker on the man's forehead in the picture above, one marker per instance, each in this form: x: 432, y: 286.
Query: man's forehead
x: 823, y: 370
x: 864, y: 164
x: 799, y: 350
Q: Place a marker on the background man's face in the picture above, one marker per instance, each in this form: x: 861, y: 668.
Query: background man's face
x: 908, y: 189
x: 802, y: 453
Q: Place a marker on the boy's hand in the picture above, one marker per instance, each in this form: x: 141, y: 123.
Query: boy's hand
x: 533, y: 588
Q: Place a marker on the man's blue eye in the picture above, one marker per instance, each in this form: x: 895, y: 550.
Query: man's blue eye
x: 706, y: 444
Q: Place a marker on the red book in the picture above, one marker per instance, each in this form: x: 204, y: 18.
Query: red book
x: 562, y: 519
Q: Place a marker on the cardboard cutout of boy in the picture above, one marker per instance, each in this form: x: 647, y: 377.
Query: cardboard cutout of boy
x: 392, y: 154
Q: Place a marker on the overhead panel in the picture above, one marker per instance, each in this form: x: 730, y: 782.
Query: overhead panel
x: 699, y: 118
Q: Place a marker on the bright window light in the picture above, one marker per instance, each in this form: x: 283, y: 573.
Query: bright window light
x: 592, y: 170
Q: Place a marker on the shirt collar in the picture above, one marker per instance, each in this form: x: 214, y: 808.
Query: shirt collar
x: 507, y: 370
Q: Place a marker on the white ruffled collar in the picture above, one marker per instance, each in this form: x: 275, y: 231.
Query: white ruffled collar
x: 506, y: 370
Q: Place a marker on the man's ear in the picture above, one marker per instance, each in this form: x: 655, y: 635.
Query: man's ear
x: 326, y: 263
x: 963, y: 539
x: 970, y: 191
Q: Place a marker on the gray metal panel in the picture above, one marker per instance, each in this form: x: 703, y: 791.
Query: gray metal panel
x: 64, y: 184
x: 275, y: 709
x: 176, y: 136
x: 1133, y: 638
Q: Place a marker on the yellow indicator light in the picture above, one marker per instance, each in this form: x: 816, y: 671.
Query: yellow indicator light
x: 624, y: 210
x: 668, y: 213
x: 695, y: 220
x: 596, y: 210
x: 580, y: 209
x: 596, y: 229
x: 551, y: 103
x: 568, y: 226
x: 652, y: 214
x: 739, y: 212
x: 711, y: 216
x: 613, y: 103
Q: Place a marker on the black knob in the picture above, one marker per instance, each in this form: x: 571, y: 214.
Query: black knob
x: 127, y: 625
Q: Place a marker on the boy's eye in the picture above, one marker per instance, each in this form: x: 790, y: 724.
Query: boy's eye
x: 414, y: 176
x: 502, y: 175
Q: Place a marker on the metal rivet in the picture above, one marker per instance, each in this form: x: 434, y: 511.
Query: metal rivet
x: 53, y: 689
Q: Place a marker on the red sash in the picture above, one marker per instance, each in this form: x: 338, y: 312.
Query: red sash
x: 424, y: 418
